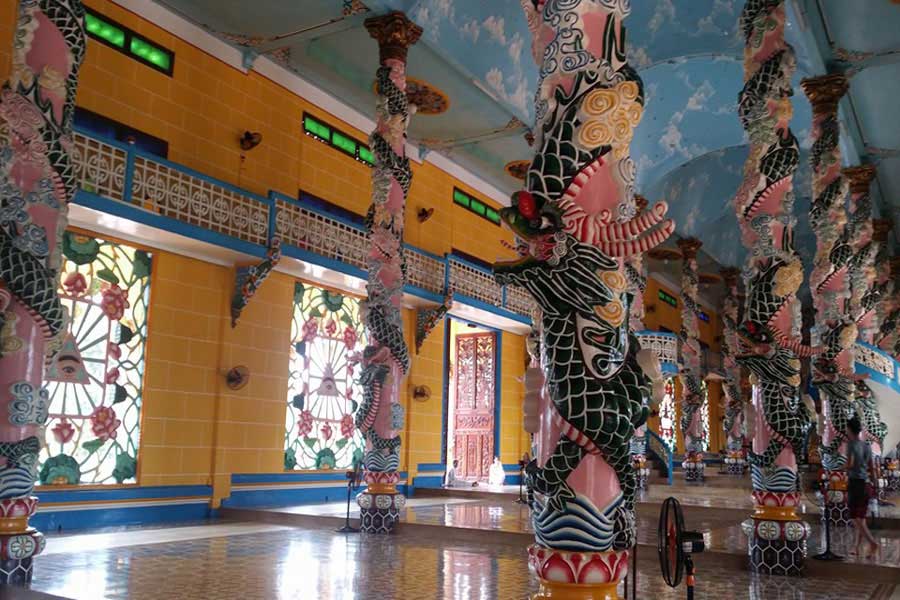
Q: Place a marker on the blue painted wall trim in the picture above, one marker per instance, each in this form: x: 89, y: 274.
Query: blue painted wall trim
x: 445, y: 390
x: 293, y: 496
x: 498, y: 378
x: 296, y: 477
x: 55, y: 521
x: 47, y: 495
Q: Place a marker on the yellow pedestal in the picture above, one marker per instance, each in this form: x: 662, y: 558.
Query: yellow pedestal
x: 571, y: 591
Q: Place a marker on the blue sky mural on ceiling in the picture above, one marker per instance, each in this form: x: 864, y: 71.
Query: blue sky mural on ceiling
x: 689, y: 148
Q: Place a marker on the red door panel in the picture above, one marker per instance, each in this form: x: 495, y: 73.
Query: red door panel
x: 473, y: 424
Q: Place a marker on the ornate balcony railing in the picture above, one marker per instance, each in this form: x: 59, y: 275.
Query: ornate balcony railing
x: 149, y: 185
x: 664, y: 345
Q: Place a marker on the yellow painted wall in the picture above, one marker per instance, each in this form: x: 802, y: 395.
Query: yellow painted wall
x: 659, y: 314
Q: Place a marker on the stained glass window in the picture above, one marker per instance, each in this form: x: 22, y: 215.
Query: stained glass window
x: 95, y: 380
x: 326, y: 331
x: 704, y: 415
x: 667, y: 414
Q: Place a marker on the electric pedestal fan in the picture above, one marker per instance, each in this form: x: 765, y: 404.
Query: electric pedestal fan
x: 354, y: 478
x: 675, y: 546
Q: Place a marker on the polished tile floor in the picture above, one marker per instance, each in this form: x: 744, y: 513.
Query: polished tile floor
x: 270, y: 562
x: 721, y: 527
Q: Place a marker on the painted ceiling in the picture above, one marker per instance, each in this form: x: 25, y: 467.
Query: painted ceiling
x: 689, y: 148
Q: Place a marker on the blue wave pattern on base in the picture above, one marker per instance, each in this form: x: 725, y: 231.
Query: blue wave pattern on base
x: 781, y: 479
x: 378, y: 462
x: 582, y: 527
x: 16, y: 482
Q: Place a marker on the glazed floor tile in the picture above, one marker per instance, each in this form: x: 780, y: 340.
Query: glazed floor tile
x: 297, y: 564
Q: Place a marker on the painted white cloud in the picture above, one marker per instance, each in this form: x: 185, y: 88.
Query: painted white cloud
x: 638, y: 57
x: 665, y: 11
x: 496, y: 28
x: 701, y: 96
x: 470, y: 30
x: 515, y: 48
x: 720, y: 8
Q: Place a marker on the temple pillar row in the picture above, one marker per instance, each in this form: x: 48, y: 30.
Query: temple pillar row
x: 733, y: 423
x: 690, y: 364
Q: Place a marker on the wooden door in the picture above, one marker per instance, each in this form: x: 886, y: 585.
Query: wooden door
x: 473, y: 421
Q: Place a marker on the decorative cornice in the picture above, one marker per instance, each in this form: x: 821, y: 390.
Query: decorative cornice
x: 860, y: 178
x: 825, y: 92
x: 689, y: 247
x: 395, y: 33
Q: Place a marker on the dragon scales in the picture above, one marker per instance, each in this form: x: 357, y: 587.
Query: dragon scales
x: 636, y: 273
x: 385, y: 360
x: 37, y: 178
x: 733, y: 424
x: 768, y: 332
x: 690, y: 370
x: 576, y: 223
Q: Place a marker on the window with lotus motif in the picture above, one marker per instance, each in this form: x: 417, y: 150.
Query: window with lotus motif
x: 94, y: 382
x: 326, y: 334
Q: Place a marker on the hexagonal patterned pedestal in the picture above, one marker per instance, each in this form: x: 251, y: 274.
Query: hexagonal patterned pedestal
x: 16, y: 572
x: 776, y: 547
x: 694, y: 473
x: 736, y: 468
x: 839, y: 513
x: 378, y: 513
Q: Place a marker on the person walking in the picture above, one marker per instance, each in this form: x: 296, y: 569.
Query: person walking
x: 859, y: 463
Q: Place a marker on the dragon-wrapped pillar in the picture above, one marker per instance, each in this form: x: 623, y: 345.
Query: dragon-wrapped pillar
x: 576, y: 224
x: 769, y: 330
x: 636, y: 273
x: 690, y: 370
x: 835, y: 328
x: 37, y: 177
x: 385, y: 360
x: 733, y: 424
x: 881, y: 228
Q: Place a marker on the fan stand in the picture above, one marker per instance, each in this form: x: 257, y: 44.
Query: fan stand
x: 828, y: 555
x: 689, y: 579
x: 347, y: 528
x: 521, y: 499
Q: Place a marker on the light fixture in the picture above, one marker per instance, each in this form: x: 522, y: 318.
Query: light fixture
x: 424, y: 214
x: 250, y: 140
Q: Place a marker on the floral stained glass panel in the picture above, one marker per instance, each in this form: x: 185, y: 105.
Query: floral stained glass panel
x: 326, y: 332
x: 667, y: 414
x: 95, y: 380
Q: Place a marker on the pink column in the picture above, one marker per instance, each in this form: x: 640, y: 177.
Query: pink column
x: 768, y: 334
x: 576, y: 225
x: 36, y: 184
x: 386, y: 358
x: 690, y: 368
x: 733, y: 424
x: 835, y: 329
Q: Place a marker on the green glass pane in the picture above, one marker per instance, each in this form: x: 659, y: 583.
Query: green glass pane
x: 493, y: 216
x: 105, y: 31
x: 460, y: 198
x: 366, y: 155
x: 152, y: 54
x: 344, y: 143
x: 316, y: 128
x: 477, y: 207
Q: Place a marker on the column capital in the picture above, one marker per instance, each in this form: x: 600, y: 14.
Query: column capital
x: 689, y: 247
x: 825, y: 92
x: 881, y: 228
x: 395, y: 33
x: 860, y: 178
x: 641, y: 202
x: 730, y: 276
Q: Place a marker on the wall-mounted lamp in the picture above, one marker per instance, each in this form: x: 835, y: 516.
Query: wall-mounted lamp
x: 424, y: 214
x: 650, y: 309
x: 250, y: 140
x: 421, y: 393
